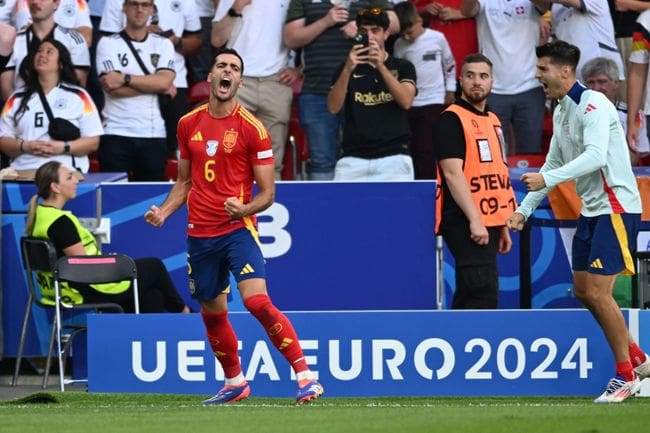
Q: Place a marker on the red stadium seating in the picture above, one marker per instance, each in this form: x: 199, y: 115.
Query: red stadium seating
x: 93, y: 160
x: 526, y: 160
x: 171, y: 169
x: 547, y: 132
x: 296, y: 151
x: 199, y: 93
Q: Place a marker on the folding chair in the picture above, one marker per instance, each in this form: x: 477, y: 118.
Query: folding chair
x: 39, y: 255
x: 89, y: 270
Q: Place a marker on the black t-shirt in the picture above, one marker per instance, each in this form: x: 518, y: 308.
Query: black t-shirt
x: 63, y: 234
x: 449, y: 137
x: 623, y: 21
x: 375, y: 125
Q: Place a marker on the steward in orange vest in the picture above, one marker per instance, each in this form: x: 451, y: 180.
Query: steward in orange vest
x: 475, y: 197
x: 484, y: 167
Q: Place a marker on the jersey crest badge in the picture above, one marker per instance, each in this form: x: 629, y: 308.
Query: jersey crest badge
x: 229, y: 140
x: 211, y: 147
x: 68, y: 10
x: 60, y: 104
x: 154, y: 59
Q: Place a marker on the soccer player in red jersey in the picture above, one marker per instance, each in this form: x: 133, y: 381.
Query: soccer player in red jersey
x: 223, y: 149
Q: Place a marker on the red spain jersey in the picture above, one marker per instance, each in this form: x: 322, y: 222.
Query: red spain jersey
x: 222, y: 153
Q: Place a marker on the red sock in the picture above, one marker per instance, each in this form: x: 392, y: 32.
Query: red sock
x: 625, y: 370
x: 223, y: 341
x: 279, y: 329
x: 637, y: 357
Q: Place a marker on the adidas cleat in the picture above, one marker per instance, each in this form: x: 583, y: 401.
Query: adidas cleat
x: 618, y: 390
x: 311, y: 391
x: 643, y: 370
x: 230, y: 394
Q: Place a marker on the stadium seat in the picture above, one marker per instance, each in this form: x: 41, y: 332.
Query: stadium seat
x: 199, y: 93
x: 547, y: 131
x: 171, y: 169
x: 93, y: 160
x: 39, y: 255
x: 99, y: 269
x: 526, y: 160
x: 296, y: 149
x: 644, y: 162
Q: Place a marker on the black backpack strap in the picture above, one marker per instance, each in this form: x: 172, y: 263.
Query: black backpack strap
x: 134, y: 51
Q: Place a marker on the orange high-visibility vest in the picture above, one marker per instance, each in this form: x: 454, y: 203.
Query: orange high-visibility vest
x: 485, y: 169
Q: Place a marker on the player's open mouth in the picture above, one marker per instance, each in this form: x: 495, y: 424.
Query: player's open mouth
x: 225, y: 83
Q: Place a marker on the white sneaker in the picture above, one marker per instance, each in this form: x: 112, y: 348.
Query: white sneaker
x: 643, y: 370
x: 618, y: 390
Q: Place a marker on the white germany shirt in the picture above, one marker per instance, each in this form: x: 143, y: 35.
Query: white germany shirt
x: 67, y: 101
x: 134, y: 116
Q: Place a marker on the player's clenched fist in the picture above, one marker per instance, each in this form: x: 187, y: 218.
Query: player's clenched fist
x: 154, y: 216
x: 533, y: 181
x: 516, y: 221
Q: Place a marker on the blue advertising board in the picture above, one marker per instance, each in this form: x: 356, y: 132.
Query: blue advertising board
x: 355, y: 353
x: 327, y: 245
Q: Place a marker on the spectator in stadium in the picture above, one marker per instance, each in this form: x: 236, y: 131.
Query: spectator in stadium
x: 8, y: 12
x: 471, y: 213
x: 254, y: 29
x: 135, y: 136
x: 459, y: 30
x: 324, y: 32
x: 179, y: 22
x: 7, y: 40
x: 507, y: 33
x: 56, y: 185
x: 637, y: 79
x: 215, y: 179
x: 71, y: 14
x: 201, y: 62
x: 592, y: 151
x: 43, y: 27
x: 96, y: 8
x: 374, y: 90
x: 624, y: 14
x: 587, y: 24
x: 435, y: 68
x: 601, y: 74
x: 29, y: 135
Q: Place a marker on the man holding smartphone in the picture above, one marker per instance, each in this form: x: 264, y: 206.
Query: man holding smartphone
x: 376, y: 91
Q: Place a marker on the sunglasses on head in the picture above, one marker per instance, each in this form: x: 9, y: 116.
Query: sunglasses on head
x: 372, y: 11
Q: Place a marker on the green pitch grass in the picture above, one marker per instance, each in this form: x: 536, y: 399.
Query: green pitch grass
x: 78, y: 412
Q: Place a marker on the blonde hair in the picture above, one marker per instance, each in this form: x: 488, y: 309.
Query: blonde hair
x: 45, y: 175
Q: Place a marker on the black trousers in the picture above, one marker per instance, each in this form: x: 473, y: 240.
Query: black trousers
x: 477, y: 278
x: 156, y: 290
x: 143, y: 158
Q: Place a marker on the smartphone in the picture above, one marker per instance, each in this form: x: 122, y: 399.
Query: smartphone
x: 361, y: 38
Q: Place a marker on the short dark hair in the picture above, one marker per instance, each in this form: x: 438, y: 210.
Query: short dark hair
x: 372, y: 17
x: 477, y: 58
x: 232, y: 51
x: 560, y: 53
x: 406, y: 13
